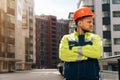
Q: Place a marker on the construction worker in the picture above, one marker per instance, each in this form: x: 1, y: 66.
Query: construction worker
x: 81, y: 49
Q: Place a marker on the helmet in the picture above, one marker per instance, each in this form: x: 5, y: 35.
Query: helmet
x: 83, y: 11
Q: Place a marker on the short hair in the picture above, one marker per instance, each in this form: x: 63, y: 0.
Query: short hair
x: 81, y: 18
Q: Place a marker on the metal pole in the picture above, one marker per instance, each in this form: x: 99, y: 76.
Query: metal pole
x: 119, y: 69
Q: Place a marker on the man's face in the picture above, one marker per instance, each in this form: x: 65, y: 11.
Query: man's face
x: 86, y: 24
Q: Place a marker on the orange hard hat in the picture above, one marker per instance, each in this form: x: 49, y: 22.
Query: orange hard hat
x: 83, y: 11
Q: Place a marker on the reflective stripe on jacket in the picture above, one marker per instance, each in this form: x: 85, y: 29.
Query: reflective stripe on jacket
x: 72, y: 53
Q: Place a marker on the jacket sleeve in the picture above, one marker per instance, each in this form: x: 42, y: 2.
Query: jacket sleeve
x: 69, y: 55
x: 94, y: 50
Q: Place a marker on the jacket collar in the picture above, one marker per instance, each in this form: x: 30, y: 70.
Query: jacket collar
x: 76, y: 33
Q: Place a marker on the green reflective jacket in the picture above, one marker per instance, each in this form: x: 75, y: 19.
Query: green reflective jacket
x: 78, y: 53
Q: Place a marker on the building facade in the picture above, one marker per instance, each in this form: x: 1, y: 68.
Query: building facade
x: 25, y: 53
x: 72, y: 25
x: 47, y: 40
x: 14, y: 33
x: 63, y: 28
x: 7, y: 35
x: 41, y: 42
x: 107, y: 25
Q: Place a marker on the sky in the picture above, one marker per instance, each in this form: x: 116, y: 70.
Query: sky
x: 58, y: 8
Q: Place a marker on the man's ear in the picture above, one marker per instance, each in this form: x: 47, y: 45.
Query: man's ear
x: 79, y: 22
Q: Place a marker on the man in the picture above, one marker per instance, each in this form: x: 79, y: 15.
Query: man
x: 81, y: 50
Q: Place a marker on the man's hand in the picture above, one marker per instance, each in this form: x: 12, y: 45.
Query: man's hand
x: 81, y: 41
x: 72, y: 43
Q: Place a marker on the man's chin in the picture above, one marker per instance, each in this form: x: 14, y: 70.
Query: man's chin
x: 88, y: 31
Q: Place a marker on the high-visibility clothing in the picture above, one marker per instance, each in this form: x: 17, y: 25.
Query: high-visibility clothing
x: 80, y: 54
x: 74, y: 52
